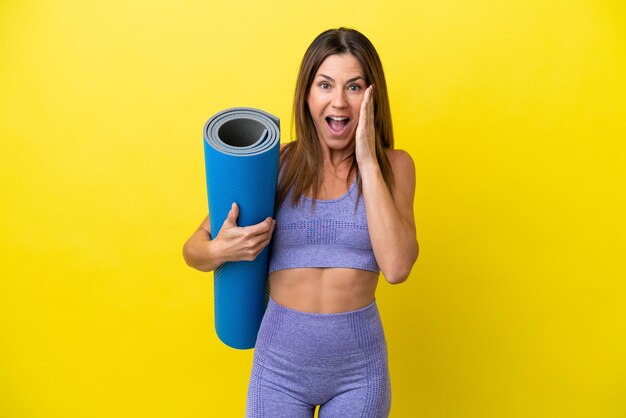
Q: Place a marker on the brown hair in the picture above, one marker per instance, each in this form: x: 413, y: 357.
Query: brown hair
x: 301, y: 159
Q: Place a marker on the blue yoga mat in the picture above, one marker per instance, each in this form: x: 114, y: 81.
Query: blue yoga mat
x: 241, y: 149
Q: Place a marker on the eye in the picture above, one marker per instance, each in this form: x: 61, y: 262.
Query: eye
x: 324, y: 85
x: 354, y: 87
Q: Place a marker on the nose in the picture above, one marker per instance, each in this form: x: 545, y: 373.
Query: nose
x: 339, y: 100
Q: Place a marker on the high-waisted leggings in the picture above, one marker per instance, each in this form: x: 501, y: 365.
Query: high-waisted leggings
x: 337, y: 361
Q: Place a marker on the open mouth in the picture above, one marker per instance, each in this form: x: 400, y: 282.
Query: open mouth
x: 337, y: 124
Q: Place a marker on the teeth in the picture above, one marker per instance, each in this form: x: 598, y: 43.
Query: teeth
x: 337, y: 118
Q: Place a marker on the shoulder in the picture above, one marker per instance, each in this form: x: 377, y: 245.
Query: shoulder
x: 401, y: 163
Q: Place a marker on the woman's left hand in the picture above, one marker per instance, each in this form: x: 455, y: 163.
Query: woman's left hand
x: 365, y: 141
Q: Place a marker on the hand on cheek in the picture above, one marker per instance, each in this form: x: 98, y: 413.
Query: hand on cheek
x: 365, y: 141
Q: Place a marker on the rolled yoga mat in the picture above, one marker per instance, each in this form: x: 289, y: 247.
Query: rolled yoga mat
x: 241, y: 149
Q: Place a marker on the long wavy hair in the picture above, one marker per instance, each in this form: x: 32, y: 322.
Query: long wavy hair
x: 301, y: 160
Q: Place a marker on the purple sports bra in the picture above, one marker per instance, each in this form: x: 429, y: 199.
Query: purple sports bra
x: 331, y: 234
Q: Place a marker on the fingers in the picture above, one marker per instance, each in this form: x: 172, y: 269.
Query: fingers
x: 231, y: 219
x: 370, y: 103
x: 364, y: 104
x: 261, y: 228
x: 257, y: 242
x: 367, y: 107
x: 244, y: 243
x: 249, y: 231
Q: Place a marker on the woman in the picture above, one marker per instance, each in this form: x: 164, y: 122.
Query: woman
x: 345, y: 214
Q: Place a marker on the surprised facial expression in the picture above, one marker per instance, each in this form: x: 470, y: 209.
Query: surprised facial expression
x: 335, y: 100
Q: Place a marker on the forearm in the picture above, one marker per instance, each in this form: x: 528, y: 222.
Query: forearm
x: 392, y: 235
x: 232, y: 243
x: 199, y: 252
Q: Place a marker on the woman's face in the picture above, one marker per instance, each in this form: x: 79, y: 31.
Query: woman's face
x: 335, y: 100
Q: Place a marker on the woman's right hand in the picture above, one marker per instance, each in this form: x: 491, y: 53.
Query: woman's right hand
x: 236, y: 243
x: 232, y: 243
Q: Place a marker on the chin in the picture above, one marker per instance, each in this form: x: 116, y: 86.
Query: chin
x: 338, y: 144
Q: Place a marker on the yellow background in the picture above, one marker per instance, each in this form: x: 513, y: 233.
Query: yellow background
x: 513, y: 111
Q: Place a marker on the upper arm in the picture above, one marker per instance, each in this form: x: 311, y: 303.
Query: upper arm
x: 205, y: 225
x: 404, y: 186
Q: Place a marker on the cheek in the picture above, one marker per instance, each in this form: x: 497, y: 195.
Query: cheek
x: 356, y: 106
x: 356, y: 102
x: 312, y: 103
x: 311, y: 109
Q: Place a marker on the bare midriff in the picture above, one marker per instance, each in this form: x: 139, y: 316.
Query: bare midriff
x: 323, y: 290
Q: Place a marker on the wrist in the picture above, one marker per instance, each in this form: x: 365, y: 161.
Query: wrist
x: 214, y: 253
x: 369, y: 168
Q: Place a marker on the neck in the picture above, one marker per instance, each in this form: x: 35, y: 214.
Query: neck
x: 337, y: 158
x: 336, y: 166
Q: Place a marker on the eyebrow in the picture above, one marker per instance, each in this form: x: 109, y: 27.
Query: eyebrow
x: 349, y: 81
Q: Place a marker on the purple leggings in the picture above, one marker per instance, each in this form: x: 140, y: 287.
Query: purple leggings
x: 337, y: 361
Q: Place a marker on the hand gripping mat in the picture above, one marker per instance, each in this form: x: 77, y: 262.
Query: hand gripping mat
x: 241, y: 149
